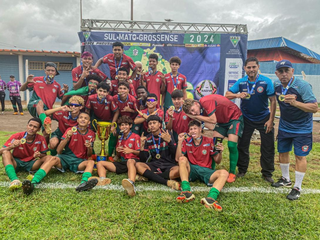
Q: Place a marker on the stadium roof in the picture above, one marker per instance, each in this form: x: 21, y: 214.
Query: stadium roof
x: 284, y: 45
x: 39, y: 52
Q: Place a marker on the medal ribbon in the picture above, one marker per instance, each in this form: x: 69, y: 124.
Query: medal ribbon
x: 253, y: 86
x: 157, y: 148
x: 285, y: 90
x: 115, y: 64
x: 123, y: 137
x: 123, y: 101
x: 174, y: 81
x: 179, y: 110
x: 70, y: 117
x: 102, y: 100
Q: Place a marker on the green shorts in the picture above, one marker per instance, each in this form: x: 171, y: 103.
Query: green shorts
x: 32, y: 107
x: 70, y: 161
x: 233, y: 127
x: 24, y: 166
x: 200, y: 173
x: 57, y: 133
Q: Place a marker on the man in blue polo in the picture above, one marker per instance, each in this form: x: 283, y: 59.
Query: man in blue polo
x: 297, y: 103
x: 255, y: 90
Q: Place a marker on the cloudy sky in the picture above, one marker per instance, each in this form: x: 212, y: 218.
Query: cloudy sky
x: 53, y: 25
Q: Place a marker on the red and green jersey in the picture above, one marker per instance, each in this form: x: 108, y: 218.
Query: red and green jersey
x: 136, y: 81
x: 154, y: 83
x: 26, y: 151
x: 114, y: 65
x: 46, y: 92
x: 178, y: 82
x: 146, y: 111
x: 114, y: 88
x: 180, y: 121
x: 77, y: 142
x: 133, y: 142
x: 102, y: 110
x: 200, y: 155
x: 64, y: 120
x: 224, y: 109
x: 130, y: 101
x: 77, y: 72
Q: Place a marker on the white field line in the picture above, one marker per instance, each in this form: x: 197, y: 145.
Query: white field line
x: 166, y: 189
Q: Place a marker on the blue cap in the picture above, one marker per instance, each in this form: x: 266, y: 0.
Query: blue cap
x: 284, y: 63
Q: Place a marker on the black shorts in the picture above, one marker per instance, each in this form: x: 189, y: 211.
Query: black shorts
x: 121, y: 167
x: 160, y: 167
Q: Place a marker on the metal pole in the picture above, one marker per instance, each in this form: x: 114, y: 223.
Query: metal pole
x: 80, y: 14
x: 131, y: 10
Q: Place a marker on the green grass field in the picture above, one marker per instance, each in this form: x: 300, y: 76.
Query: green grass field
x: 108, y: 213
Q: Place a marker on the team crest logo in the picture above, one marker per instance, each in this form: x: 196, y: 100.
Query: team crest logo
x: 260, y: 89
x: 135, y: 52
x: 136, y: 128
x: 157, y: 80
x: 235, y: 40
x: 305, y: 148
x: 86, y: 35
x: 106, y: 107
x: 35, y: 149
x: 53, y: 90
x: 204, y: 152
x: 130, y: 145
x: 184, y: 117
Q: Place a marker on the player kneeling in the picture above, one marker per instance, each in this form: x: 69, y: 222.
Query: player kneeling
x: 128, y: 149
x: 199, y: 151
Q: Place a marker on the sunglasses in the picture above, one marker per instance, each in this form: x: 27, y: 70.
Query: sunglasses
x: 74, y: 105
x: 94, y: 83
x: 151, y: 100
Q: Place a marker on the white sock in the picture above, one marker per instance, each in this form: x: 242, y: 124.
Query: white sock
x: 285, y: 170
x: 299, y: 178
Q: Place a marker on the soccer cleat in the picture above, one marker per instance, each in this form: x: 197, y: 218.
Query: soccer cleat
x: 128, y: 185
x: 101, y: 181
x: 21, y: 113
x: 173, y: 184
x: 268, y: 179
x: 282, y: 183
x: 85, y: 186
x: 111, y: 159
x: 294, y: 194
x: 239, y: 175
x: 140, y: 178
x: 210, y: 203
x: 231, y: 178
x: 15, y: 113
x: 27, y: 187
x: 47, y: 125
x: 15, y: 184
x: 185, y: 196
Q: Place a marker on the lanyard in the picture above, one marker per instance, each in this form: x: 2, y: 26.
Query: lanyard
x: 70, y: 117
x: 157, y: 148
x: 179, y: 110
x: 253, y: 86
x: 174, y: 81
x: 123, y: 101
x: 123, y: 137
x: 47, y: 77
x: 151, y: 71
x: 285, y: 90
x: 103, y: 100
x: 115, y: 64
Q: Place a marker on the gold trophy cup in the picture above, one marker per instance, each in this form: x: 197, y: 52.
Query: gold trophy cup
x: 103, y: 130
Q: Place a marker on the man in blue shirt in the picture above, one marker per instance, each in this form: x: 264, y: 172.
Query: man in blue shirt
x: 255, y: 90
x: 297, y: 103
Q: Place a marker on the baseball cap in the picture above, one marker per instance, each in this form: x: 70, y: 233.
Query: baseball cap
x: 52, y: 64
x: 11, y: 76
x: 284, y: 63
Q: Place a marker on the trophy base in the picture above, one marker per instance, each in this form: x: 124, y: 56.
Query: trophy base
x: 101, y: 158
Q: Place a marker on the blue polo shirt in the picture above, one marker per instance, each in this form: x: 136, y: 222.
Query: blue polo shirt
x: 294, y: 120
x: 255, y: 108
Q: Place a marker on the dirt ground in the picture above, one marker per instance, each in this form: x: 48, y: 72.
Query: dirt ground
x: 17, y: 123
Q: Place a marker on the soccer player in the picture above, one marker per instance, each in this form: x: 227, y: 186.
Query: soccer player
x: 255, y: 90
x: 125, y: 101
x: 45, y: 89
x: 13, y: 86
x: 137, y: 81
x: 152, y: 102
x: 223, y: 117
x: 122, y: 77
x: 29, y: 152
x: 154, y: 80
x: 117, y: 60
x: 195, y: 155
x: 128, y: 149
x: 66, y: 116
x: 142, y: 94
x: 161, y: 149
x: 74, y: 152
x: 176, y: 118
x: 80, y: 74
x: 3, y: 87
x: 297, y: 103
x: 174, y: 80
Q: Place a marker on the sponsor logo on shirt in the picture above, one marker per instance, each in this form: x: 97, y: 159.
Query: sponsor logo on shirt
x: 189, y: 145
x: 131, y: 139
x: 65, y: 117
x: 38, y: 142
x: 206, y: 145
x: 56, y: 86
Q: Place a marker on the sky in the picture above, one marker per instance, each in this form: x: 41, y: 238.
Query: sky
x: 53, y: 25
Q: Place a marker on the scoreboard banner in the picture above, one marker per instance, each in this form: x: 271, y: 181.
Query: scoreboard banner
x: 208, y: 60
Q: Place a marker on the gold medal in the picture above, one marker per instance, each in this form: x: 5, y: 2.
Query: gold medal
x: 148, y: 130
x: 175, y: 88
x: 281, y: 98
x: 248, y: 96
x: 23, y: 140
x: 173, y: 108
x: 74, y: 129
x: 158, y: 156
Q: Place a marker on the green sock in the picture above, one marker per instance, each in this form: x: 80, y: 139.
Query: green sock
x: 233, y: 155
x: 40, y: 174
x: 85, y: 177
x: 185, y: 186
x: 112, y: 144
x: 42, y: 117
x: 214, y: 193
x: 53, y: 152
x: 11, y: 172
x: 213, y: 165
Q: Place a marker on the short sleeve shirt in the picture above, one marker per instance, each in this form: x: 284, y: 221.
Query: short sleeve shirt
x: 77, y: 72
x: 126, y: 62
x: 179, y: 82
x: 132, y: 142
x: 64, y: 120
x: 146, y: 111
x: 180, y: 121
x: 14, y: 88
x: 154, y: 83
x: 130, y: 101
x: 102, y: 110
x: 2, y: 85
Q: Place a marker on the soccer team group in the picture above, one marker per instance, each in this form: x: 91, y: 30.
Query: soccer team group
x: 159, y: 132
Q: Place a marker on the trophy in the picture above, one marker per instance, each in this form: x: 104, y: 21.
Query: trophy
x: 103, y: 131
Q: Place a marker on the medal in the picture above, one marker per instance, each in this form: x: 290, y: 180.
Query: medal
x: 250, y: 92
x: 23, y: 140
x: 148, y: 130
x: 174, y: 81
x: 173, y: 108
x: 281, y: 98
x: 284, y: 91
x: 74, y: 129
x: 158, y: 156
x: 157, y: 148
x: 248, y: 96
x: 117, y: 66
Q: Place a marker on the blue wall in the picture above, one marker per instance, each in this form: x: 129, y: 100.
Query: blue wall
x: 308, y: 68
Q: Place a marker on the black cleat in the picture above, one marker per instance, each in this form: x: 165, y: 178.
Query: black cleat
x: 87, y: 185
x: 282, y: 183
x: 294, y: 194
x: 268, y: 179
x: 27, y: 187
